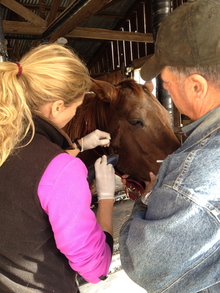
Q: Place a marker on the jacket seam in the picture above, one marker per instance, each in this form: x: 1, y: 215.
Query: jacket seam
x: 203, y: 138
x: 183, y: 275
x: 201, y: 202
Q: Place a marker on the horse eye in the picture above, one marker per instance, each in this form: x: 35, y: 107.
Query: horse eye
x: 136, y: 123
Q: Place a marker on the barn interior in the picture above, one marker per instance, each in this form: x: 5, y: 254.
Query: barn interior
x: 112, y: 37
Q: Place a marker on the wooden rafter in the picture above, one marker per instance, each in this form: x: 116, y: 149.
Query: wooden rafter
x: 31, y: 23
x: 36, y: 25
x: 110, y: 35
x: 81, y: 15
x: 25, y: 28
x: 24, y: 12
x: 53, y: 11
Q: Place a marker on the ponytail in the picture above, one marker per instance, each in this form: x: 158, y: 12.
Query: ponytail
x: 15, y: 115
x: 45, y: 74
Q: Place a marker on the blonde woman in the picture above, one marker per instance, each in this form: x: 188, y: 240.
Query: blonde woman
x: 47, y: 230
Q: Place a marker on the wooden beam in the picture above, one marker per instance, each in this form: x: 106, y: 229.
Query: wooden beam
x: 24, y: 12
x: 81, y: 15
x: 110, y: 35
x: 53, y: 11
x: 41, y: 9
x: 23, y: 28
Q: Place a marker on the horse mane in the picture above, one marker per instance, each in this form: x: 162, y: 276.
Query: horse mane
x: 95, y: 111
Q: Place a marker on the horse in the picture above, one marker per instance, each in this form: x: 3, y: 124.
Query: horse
x: 140, y: 127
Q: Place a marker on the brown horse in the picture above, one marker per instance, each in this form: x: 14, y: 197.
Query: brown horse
x: 139, y: 126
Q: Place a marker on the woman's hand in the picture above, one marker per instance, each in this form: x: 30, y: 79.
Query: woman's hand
x: 90, y: 141
x: 104, y: 178
x: 94, y: 139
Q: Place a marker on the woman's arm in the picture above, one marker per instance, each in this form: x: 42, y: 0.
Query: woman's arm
x: 65, y: 196
x: 104, y: 215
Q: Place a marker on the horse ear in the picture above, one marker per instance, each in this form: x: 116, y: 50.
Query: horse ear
x: 104, y: 90
x: 149, y: 85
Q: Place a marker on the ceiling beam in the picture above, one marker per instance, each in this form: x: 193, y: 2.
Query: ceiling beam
x: 53, y: 11
x: 25, y: 28
x: 110, y: 35
x: 24, y: 12
x: 72, y: 16
x: 22, y: 28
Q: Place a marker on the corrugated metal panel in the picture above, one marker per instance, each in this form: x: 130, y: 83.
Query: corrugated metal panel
x: 85, y: 48
x: 112, y: 17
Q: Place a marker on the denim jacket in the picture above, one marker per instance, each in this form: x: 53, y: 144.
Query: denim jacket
x: 172, y: 245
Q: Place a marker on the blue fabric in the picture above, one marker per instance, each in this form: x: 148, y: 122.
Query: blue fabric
x: 173, y: 244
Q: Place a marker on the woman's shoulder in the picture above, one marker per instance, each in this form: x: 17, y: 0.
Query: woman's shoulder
x: 64, y: 165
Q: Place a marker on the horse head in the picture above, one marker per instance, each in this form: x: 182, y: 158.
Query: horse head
x: 139, y: 125
x: 144, y: 135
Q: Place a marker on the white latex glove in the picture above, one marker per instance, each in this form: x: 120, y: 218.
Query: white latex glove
x: 94, y: 139
x: 104, y: 179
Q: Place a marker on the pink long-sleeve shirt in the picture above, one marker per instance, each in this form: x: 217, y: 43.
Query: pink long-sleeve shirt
x: 66, y: 198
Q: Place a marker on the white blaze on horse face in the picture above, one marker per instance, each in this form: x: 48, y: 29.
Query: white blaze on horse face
x: 159, y: 161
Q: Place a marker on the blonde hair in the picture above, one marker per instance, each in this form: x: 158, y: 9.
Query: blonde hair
x: 48, y: 73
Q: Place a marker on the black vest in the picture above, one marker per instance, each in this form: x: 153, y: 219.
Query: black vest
x: 29, y: 259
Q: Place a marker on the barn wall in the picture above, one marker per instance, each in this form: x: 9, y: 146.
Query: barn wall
x: 118, y: 55
x: 122, y: 55
x: 118, y: 59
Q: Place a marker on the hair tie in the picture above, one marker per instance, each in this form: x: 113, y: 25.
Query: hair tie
x: 19, y: 69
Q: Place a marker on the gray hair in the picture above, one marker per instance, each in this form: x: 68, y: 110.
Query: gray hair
x: 210, y: 73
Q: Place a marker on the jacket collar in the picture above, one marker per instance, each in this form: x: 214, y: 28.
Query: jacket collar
x: 56, y: 135
x: 208, y: 124
x: 190, y: 127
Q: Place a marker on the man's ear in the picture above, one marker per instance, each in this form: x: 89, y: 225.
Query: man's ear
x: 57, y: 108
x: 198, y: 86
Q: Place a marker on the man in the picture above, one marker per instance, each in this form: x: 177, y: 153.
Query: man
x: 171, y: 242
